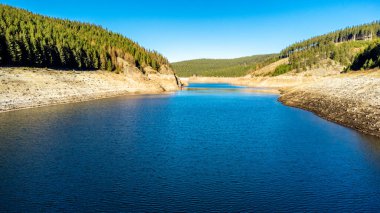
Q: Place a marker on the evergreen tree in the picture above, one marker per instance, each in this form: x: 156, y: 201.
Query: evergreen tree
x: 27, y: 39
x: 341, y: 46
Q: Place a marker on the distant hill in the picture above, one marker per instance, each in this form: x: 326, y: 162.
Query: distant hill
x: 222, y: 67
x: 27, y: 39
x: 354, y: 48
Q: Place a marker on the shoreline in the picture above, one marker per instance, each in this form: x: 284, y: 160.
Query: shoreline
x: 350, y: 100
x: 87, y: 99
x: 331, y: 119
x: 25, y: 88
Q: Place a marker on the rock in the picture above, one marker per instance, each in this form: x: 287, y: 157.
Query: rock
x: 149, y: 70
x: 165, y: 69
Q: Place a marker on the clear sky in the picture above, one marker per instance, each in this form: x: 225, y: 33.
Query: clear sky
x: 189, y: 29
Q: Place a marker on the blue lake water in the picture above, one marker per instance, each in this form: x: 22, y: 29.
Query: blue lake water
x: 212, y: 147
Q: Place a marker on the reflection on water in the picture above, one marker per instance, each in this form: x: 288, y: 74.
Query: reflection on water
x: 225, y: 88
x: 213, y: 86
x: 218, y: 148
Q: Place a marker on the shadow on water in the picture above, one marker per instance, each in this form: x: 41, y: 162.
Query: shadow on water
x: 371, y: 146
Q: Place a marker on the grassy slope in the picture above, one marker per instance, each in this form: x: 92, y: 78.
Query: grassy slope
x: 220, y: 67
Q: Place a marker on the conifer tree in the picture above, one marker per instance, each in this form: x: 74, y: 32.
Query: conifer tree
x: 27, y: 39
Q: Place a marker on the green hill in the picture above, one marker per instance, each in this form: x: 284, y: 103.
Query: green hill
x: 353, y: 47
x: 222, y: 67
x: 342, y: 46
x: 27, y: 39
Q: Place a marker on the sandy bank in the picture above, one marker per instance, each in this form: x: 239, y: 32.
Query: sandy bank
x: 30, y: 87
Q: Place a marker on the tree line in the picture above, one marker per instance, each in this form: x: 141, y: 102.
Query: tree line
x: 355, y: 33
x: 27, y: 39
x: 341, y: 46
x: 223, y: 67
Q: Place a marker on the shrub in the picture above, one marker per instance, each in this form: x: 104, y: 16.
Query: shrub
x: 282, y: 69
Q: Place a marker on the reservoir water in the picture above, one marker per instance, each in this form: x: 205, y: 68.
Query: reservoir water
x: 213, y: 147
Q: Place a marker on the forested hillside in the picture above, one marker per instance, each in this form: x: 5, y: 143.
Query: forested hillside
x: 341, y: 46
x: 222, y: 67
x: 368, y: 59
x: 27, y: 39
x: 353, y: 47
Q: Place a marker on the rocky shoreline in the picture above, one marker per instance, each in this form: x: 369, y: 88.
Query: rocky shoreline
x: 22, y: 88
x: 348, y: 99
x: 351, y: 100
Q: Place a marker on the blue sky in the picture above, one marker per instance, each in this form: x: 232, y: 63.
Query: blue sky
x: 189, y: 29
